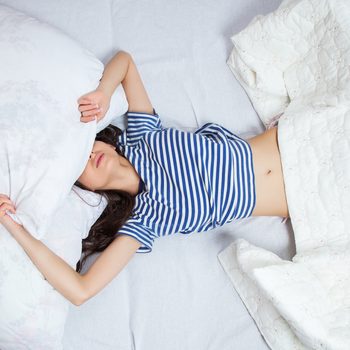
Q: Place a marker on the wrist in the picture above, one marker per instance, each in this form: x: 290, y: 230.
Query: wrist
x: 12, y: 227
x: 105, y: 89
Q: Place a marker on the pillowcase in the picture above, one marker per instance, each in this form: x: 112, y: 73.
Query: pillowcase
x: 43, y: 149
x: 43, y: 145
x: 33, y: 313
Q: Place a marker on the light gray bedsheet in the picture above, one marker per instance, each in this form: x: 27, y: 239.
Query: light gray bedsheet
x: 178, y: 297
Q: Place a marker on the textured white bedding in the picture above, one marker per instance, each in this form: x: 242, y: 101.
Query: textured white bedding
x: 177, y: 297
x: 303, y: 304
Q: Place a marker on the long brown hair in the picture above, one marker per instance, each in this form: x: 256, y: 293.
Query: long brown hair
x: 119, y: 207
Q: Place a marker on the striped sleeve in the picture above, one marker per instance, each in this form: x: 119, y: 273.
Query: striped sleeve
x: 141, y: 123
x: 139, y: 232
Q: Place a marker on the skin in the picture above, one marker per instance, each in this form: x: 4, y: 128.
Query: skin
x: 116, y: 172
x: 269, y: 184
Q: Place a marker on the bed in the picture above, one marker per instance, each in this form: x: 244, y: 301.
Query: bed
x: 177, y: 297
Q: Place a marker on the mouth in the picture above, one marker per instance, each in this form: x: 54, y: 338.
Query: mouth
x: 98, y: 160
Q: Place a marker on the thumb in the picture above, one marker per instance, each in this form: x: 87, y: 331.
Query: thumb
x: 84, y: 99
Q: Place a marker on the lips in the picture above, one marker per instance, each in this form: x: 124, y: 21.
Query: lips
x: 99, y: 158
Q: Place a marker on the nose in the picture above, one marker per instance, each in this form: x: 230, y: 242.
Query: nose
x: 90, y: 154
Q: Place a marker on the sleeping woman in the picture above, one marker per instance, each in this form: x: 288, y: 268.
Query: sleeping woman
x: 158, y: 181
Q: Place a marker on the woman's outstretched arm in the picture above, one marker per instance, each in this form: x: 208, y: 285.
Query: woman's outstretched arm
x: 73, y: 286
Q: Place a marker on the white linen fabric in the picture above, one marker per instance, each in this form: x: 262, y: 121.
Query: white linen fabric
x: 303, y: 304
x: 178, y: 297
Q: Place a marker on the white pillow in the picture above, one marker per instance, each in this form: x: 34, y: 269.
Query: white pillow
x: 43, y: 145
x: 43, y: 149
x: 32, y: 312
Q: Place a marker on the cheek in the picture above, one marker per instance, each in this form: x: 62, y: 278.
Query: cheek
x: 87, y: 178
x: 92, y: 178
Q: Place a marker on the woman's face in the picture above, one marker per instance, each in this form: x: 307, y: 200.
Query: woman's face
x: 98, y: 176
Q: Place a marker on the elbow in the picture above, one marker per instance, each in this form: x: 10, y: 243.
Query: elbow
x: 126, y: 56
x: 81, y: 298
x: 78, y: 302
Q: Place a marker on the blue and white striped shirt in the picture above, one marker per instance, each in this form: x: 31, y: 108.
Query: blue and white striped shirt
x: 193, y: 181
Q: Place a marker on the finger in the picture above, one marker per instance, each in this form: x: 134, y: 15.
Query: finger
x: 83, y: 108
x: 87, y: 119
x: 5, y: 206
x: 86, y: 100
x: 4, y: 203
x: 90, y: 113
x: 5, y: 200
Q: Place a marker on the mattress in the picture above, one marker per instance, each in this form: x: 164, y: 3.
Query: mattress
x: 178, y: 296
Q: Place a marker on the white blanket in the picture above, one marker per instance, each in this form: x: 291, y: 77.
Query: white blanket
x: 180, y: 50
x: 296, y: 61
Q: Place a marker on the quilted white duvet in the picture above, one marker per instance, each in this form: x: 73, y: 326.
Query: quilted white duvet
x: 296, y: 61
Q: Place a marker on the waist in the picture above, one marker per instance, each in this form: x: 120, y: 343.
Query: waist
x: 269, y: 183
x: 266, y: 155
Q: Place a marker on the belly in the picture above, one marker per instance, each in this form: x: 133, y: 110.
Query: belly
x: 269, y: 184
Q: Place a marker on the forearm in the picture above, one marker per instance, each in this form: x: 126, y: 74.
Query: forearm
x: 115, y: 71
x: 57, y: 272
x: 73, y: 286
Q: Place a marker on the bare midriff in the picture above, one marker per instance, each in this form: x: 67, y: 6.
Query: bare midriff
x: 269, y: 184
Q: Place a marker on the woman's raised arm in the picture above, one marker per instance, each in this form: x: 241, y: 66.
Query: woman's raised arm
x: 121, y: 69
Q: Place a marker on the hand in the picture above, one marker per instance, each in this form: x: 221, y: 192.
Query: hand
x: 93, y: 104
x: 5, y: 219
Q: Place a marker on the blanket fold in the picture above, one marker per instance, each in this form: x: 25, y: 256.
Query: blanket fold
x: 296, y: 61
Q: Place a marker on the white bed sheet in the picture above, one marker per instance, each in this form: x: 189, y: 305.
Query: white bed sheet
x: 178, y: 297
